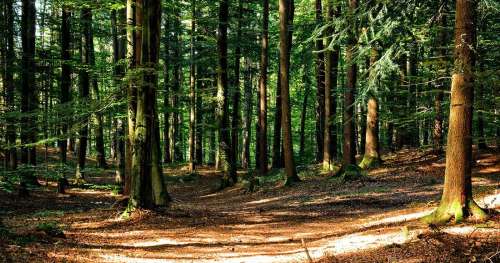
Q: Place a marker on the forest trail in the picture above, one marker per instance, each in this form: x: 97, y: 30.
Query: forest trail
x: 320, y: 218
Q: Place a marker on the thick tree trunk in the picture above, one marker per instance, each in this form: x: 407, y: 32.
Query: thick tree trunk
x: 320, y: 85
x: 348, y: 116
x: 228, y: 168
x: 262, y: 94
x: 457, y: 201
x: 148, y: 189
x: 286, y: 10
x: 8, y: 59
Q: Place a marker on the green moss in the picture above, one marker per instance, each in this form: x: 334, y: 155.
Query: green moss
x: 446, y: 211
x: 351, y: 173
x: 369, y: 162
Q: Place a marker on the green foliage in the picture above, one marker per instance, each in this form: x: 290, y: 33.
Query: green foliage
x: 49, y: 213
x: 51, y: 228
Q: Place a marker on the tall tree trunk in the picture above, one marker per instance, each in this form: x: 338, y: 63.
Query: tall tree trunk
x: 286, y: 10
x: 167, y: 158
x: 99, y: 129
x: 457, y: 201
x: 320, y: 85
x: 303, y: 113
x: 262, y: 97
x: 247, y: 121
x: 65, y: 75
x: 148, y: 189
x: 331, y: 70
x: 236, y: 116
x: 349, y: 144
x: 229, y: 172
x: 176, y: 133
x: 86, y: 46
x: 372, y: 150
x: 192, y: 94
x: 29, y: 101
x: 131, y: 91
x: 8, y: 59
x: 277, y: 143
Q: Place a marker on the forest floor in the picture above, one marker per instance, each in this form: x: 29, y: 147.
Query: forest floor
x: 320, y: 219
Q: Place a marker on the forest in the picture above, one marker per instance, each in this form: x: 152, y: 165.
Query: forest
x: 249, y: 131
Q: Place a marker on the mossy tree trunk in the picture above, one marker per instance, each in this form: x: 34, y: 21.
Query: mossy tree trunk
x: 457, y: 201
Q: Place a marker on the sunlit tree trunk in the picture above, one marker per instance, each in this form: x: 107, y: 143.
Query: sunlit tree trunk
x: 262, y: 94
x: 286, y: 10
x: 148, y: 189
x: 229, y: 172
x: 372, y: 151
x: 348, y: 116
x: 277, y: 143
x: 457, y: 201
x: 320, y: 85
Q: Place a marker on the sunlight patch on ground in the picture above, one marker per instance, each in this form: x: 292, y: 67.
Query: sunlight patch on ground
x: 266, y: 200
x: 397, y: 219
x: 153, y: 243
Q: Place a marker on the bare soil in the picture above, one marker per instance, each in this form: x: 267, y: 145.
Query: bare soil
x: 321, y: 219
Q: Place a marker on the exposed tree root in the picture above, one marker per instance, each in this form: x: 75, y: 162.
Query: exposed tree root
x: 370, y: 162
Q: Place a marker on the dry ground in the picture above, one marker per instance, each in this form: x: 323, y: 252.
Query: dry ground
x: 320, y: 219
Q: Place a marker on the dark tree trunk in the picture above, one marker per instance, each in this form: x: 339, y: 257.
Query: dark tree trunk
x: 277, y: 154
x: 286, y: 10
x: 228, y: 168
x: 349, y: 144
x: 8, y: 60
x: 247, y: 121
x: 236, y: 116
x: 176, y: 140
x: 167, y: 158
x: 192, y: 94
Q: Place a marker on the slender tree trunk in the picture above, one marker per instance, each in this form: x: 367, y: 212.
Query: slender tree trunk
x: 229, y: 172
x: 176, y: 141
x: 236, y: 116
x: 29, y: 101
x: 349, y: 144
x: 9, y: 58
x: 331, y: 70
x: 262, y: 97
x: 192, y: 95
x: 457, y: 201
x: 167, y: 158
x: 286, y: 10
x: 247, y: 121
x: 277, y: 154
x: 372, y: 149
x: 320, y: 84
x: 303, y: 113
x: 86, y: 46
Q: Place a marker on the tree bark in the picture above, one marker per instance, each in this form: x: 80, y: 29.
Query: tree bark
x: 320, y: 85
x: 236, y: 116
x: 262, y: 98
x: 167, y: 158
x: 277, y: 143
x: 229, y: 172
x: 247, y: 121
x: 192, y: 94
x: 349, y: 144
x: 286, y: 10
x: 457, y: 201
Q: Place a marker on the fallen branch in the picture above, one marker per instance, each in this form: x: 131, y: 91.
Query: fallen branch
x: 307, y: 251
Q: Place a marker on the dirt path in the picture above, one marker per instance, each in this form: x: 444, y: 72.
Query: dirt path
x: 318, y: 218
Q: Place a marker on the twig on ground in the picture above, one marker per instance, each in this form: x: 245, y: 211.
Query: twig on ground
x: 307, y: 251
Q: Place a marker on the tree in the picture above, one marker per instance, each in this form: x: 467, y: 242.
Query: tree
x: 29, y: 100
x: 320, y: 85
x: 286, y: 9
x: 192, y: 94
x: 457, y: 201
x: 148, y: 190
x: 65, y: 75
x: 167, y: 158
x: 331, y: 69
x: 348, y: 116
x: 8, y: 60
x: 262, y: 98
x: 236, y: 118
x: 228, y: 167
